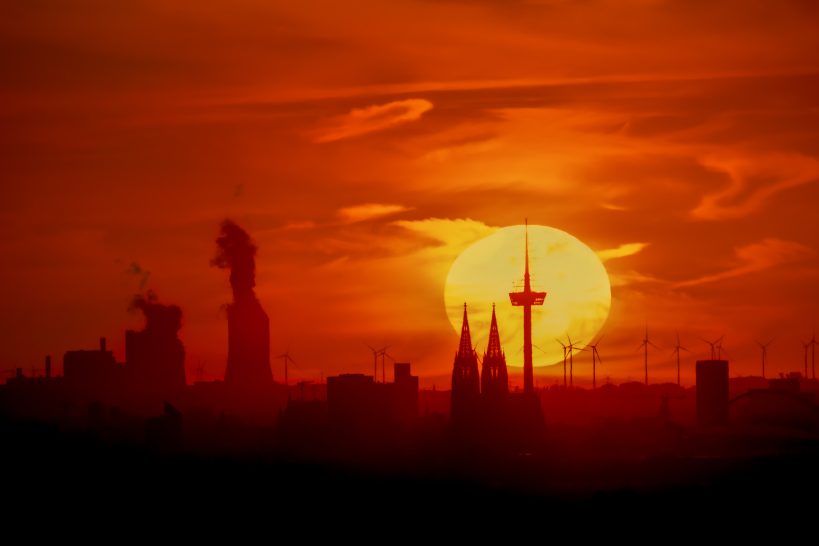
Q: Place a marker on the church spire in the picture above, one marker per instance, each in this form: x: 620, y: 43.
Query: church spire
x: 465, y: 347
x: 466, y: 382
x: 494, y: 376
x: 493, y: 349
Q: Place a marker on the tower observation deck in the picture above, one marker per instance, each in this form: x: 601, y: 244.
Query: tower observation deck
x: 526, y: 298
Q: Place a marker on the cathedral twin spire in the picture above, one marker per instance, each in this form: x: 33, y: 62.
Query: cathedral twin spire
x: 466, y: 383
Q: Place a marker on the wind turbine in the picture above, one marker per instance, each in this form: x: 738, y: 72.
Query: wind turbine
x: 564, y: 360
x: 644, y: 345
x: 813, y: 344
x: 375, y: 361
x: 716, y: 346
x: 764, y: 348
x: 383, y: 354
x: 721, y: 349
x: 287, y: 359
x: 677, y: 349
x: 595, y: 358
x: 376, y: 354
x: 388, y: 355
x: 570, y: 348
x: 805, y: 345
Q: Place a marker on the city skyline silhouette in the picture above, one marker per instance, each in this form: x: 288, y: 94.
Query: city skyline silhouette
x: 396, y: 262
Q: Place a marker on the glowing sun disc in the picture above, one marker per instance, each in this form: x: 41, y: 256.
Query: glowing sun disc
x: 578, y: 296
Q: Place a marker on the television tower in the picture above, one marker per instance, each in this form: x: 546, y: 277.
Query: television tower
x: 526, y: 299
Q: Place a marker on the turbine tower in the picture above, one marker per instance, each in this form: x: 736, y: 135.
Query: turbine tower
x: 764, y: 348
x: 677, y: 349
x: 644, y: 345
x: 571, y: 348
x: 526, y: 298
x: 813, y: 343
x: 805, y: 345
x: 595, y: 359
x: 716, y: 347
x: 565, y: 348
x: 285, y: 356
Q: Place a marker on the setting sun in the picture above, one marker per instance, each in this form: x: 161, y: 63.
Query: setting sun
x: 578, y: 290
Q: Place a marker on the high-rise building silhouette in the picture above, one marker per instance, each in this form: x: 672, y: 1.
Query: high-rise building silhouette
x: 494, y: 377
x: 465, y: 378
x: 526, y: 298
x: 93, y: 369
x: 405, y: 393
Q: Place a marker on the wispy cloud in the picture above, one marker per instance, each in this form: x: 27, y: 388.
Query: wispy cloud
x: 779, y: 171
x: 448, y: 232
x: 369, y: 119
x: 755, y: 257
x: 627, y: 249
x: 369, y: 211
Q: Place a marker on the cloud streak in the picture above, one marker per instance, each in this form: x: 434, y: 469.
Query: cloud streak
x: 369, y: 211
x: 755, y: 257
x: 740, y: 198
x: 373, y: 118
x: 626, y: 249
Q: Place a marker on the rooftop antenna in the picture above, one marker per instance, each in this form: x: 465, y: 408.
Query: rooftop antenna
x: 764, y: 348
x: 644, y: 345
x: 677, y: 349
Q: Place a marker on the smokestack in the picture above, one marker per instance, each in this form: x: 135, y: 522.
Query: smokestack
x: 248, y: 325
x: 48, y: 366
x: 102, y: 344
x: 237, y: 252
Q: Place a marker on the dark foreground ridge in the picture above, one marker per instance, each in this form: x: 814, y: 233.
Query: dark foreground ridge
x: 427, y: 482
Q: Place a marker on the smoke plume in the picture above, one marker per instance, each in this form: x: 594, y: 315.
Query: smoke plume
x: 237, y: 252
x: 162, y: 318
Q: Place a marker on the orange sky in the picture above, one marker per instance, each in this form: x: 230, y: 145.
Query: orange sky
x: 365, y: 144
